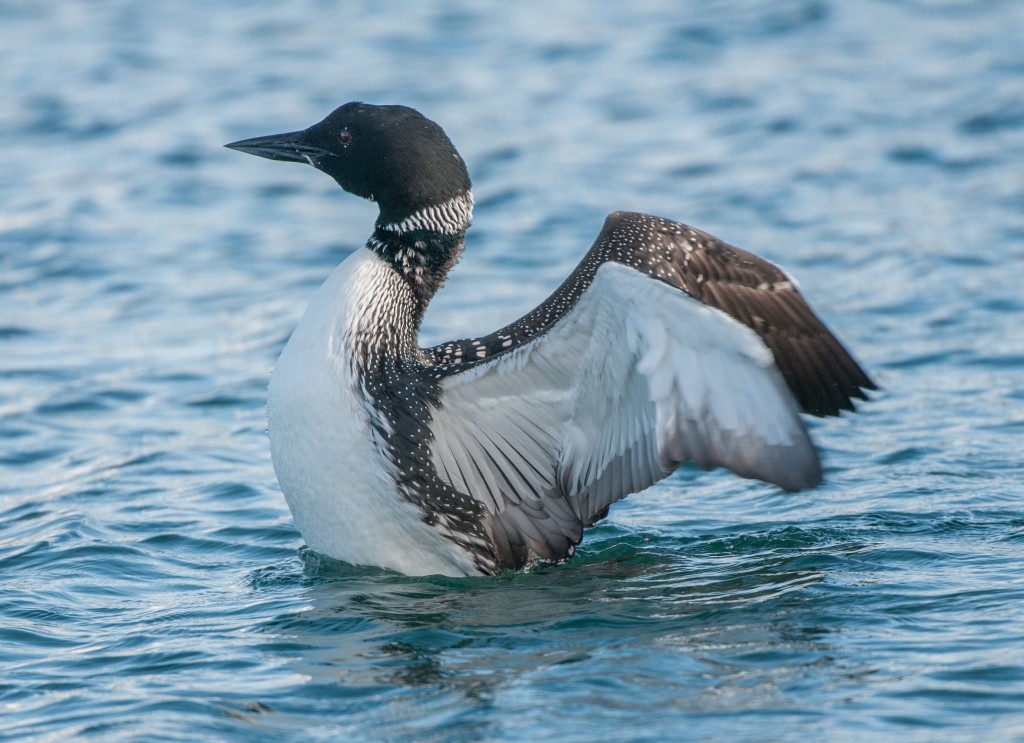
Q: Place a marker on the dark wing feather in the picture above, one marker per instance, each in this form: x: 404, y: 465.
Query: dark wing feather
x: 823, y: 376
x: 821, y: 373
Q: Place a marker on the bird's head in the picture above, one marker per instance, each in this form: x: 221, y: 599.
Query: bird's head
x: 392, y: 155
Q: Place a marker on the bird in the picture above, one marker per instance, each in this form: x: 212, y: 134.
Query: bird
x: 664, y: 346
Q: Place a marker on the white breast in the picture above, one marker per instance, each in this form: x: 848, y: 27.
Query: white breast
x: 334, y: 476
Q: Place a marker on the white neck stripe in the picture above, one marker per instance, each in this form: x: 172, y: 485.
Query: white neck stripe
x: 449, y: 218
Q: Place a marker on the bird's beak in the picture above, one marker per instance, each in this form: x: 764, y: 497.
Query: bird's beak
x: 290, y: 147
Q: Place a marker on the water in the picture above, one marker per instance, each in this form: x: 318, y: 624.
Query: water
x: 152, y: 584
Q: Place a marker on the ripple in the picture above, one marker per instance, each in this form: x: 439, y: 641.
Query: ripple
x: 152, y: 582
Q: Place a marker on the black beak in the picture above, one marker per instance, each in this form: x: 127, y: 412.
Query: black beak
x: 291, y: 147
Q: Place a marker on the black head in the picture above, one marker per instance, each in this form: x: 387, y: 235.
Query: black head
x: 389, y: 154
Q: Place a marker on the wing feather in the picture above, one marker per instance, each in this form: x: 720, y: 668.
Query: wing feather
x: 636, y: 378
x: 665, y: 345
x: 823, y: 376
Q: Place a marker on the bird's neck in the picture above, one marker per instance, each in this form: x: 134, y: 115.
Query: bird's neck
x: 450, y: 216
x: 423, y: 246
x: 390, y: 293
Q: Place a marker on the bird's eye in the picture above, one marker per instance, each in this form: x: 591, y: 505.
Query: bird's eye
x: 345, y: 137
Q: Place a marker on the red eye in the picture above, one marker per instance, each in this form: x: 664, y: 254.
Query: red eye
x: 344, y: 137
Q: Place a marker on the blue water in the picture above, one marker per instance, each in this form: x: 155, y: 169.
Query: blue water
x: 152, y: 583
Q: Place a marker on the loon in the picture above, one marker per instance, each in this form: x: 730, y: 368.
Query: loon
x: 665, y: 345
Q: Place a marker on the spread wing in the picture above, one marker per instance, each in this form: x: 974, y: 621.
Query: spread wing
x: 822, y: 375
x: 662, y: 347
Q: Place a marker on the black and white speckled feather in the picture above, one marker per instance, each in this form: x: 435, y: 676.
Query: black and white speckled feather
x: 665, y: 345
x: 399, y: 397
x: 820, y: 372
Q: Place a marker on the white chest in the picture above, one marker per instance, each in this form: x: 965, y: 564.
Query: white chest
x: 335, y: 478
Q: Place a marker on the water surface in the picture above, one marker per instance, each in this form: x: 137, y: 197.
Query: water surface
x: 152, y: 583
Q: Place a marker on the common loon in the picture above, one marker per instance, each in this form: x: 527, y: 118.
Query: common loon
x: 665, y: 345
